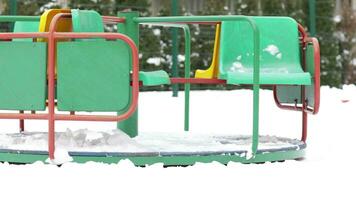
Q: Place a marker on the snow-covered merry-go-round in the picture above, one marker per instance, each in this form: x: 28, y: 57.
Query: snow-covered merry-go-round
x: 62, y: 66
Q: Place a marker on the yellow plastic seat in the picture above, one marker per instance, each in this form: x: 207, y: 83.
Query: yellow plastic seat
x: 213, y: 70
x: 64, y: 25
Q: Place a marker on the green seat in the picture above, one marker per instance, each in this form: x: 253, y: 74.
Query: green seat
x: 152, y: 78
x: 25, y: 27
x: 86, y: 21
x: 279, y: 52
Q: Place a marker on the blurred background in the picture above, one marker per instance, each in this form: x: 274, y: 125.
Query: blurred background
x: 333, y: 22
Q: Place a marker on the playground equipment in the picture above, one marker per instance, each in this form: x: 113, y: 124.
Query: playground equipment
x: 53, y: 75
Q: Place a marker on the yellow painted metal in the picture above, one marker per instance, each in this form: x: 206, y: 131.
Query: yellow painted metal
x: 213, y: 70
x: 64, y: 25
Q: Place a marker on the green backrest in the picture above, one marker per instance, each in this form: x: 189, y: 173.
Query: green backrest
x: 24, y: 26
x: 86, y: 21
x: 93, y: 74
x: 279, y: 46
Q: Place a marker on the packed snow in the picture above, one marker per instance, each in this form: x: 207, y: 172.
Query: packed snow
x: 328, y: 171
x: 84, y: 140
x: 273, y: 50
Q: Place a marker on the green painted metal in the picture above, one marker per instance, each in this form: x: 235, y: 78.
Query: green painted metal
x: 238, y: 77
x: 256, y: 54
x: 174, y: 33
x: 25, y: 26
x: 13, y: 10
x: 186, y: 75
x: 10, y: 18
x: 312, y: 17
x: 23, y: 75
x: 159, y: 77
x: 289, y: 94
x: 280, y: 55
x: 93, y: 76
x: 165, y: 160
x: 86, y: 21
x: 131, y: 29
x: 187, y: 68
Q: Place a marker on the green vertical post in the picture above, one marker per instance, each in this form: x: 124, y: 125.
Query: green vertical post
x: 312, y: 17
x: 174, y: 33
x: 13, y: 7
x: 131, y: 29
x: 187, y: 75
x: 13, y: 10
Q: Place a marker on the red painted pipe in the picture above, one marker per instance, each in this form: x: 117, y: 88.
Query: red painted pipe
x: 197, y: 81
x: 21, y: 122
x: 113, y: 19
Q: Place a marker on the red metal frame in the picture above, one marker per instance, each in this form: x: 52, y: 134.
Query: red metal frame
x: 51, y: 116
x: 304, y: 108
x: 197, y: 81
x: 113, y: 19
x: 316, y: 77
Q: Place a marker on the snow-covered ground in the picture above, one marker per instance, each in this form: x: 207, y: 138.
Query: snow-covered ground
x: 328, y: 172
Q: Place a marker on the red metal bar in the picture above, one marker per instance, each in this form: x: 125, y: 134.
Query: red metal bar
x: 304, y: 117
x: 197, y: 81
x: 113, y: 19
x: 23, y: 35
x: 22, y: 123
x: 51, y: 83
x: 200, y: 23
x: 23, y: 116
x: 315, y: 43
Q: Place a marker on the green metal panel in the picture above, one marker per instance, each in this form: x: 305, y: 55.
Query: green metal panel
x: 158, y: 77
x: 25, y: 26
x: 279, y: 53
x: 238, y: 77
x: 292, y: 94
x: 289, y: 94
x: 131, y: 29
x: 93, y: 76
x: 22, y: 75
x: 86, y: 21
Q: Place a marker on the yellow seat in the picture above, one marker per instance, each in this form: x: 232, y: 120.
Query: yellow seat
x: 213, y: 70
x: 64, y: 25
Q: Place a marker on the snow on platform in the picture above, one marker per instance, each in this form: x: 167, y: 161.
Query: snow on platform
x: 328, y: 172
x: 116, y: 141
